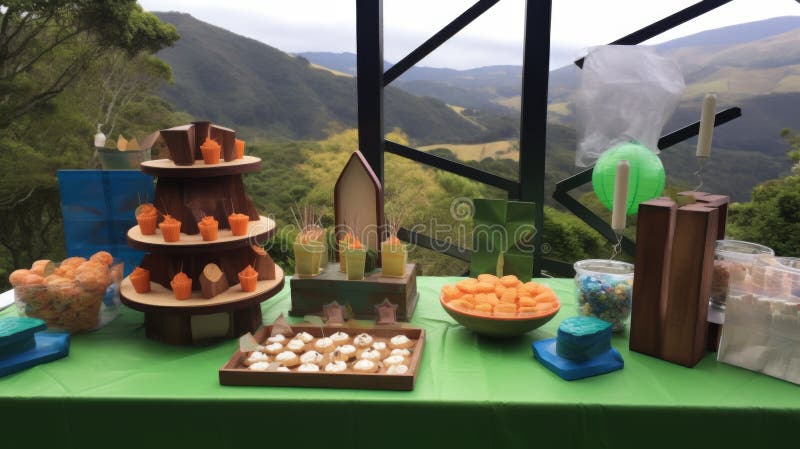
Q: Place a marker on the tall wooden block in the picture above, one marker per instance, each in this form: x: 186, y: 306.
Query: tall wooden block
x: 691, y: 269
x: 656, y: 225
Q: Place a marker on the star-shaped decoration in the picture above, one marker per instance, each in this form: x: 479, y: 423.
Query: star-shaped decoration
x: 333, y: 314
x: 387, y: 312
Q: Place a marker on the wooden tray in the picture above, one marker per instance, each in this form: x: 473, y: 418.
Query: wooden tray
x: 235, y: 373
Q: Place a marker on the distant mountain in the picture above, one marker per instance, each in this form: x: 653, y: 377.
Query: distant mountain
x: 246, y: 84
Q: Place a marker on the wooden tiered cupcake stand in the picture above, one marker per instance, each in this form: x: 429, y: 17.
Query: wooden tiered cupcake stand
x: 188, y: 192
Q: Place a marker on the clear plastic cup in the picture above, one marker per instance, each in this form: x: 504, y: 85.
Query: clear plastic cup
x: 604, y: 290
x: 733, y: 261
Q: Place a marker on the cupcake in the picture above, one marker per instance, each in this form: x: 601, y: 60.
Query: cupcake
x: 381, y: 347
x: 362, y: 340
x: 210, y: 149
x: 308, y: 368
x: 140, y: 279
x: 248, y: 279
x: 394, y: 360
x: 147, y: 217
x: 343, y: 353
x: 209, y: 228
x: 238, y: 223
x: 403, y: 352
x: 296, y: 346
x: 324, y: 345
x: 397, y: 369
x: 340, y: 338
x: 259, y: 366
x: 370, y: 354
x: 365, y: 366
x: 239, y: 149
x: 277, y: 338
x: 305, y: 337
x: 181, y: 286
x: 312, y: 357
x: 400, y: 342
x: 335, y: 367
x: 287, y: 358
x: 170, y: 229
x: 273, y: 348
x: 255, y: 357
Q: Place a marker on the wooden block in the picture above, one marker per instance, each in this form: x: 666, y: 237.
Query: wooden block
x: 710, y: 200
x: 310, y: 294
x: 685, y: 325
x: 656, y: 225
x: 201, y: 131
x: 226, y: 138
x: 263, y: 263
x: 213, y: 281
x: 180, y: 143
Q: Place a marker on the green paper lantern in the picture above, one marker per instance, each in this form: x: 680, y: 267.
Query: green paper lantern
x: 646, y: 176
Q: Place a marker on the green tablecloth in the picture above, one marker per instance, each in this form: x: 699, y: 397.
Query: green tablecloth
x: 118, y: 389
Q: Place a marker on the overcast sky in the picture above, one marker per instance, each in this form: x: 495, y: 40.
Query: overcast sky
x: 495, y: 38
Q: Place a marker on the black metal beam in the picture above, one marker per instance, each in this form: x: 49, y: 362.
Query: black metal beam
x: 533, y: 116
x: 558, y: 267
x: 668, y: 140
x: 437, y: 39
x: 666, y: 24
x: 369, y: 60
x: 452, y: 167
x: 432, y: 244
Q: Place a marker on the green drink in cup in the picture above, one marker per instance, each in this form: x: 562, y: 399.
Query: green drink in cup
x: 356, y: 256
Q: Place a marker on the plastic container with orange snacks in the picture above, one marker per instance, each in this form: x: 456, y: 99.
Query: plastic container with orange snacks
x: 239, y: 149
x: 147, y: 217
x: 209, y: 228
x: 210, y: 149
x: 140, y: 278
x: 248, y: 279
x: 181, y: 286
x: 238, y: 223
x: 170, y: 229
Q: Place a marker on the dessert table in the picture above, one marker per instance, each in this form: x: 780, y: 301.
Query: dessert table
x: 121, y: 389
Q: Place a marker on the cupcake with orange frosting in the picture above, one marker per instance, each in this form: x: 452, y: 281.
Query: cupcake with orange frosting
x: 170, y: 228
x: 238, y: 223
x: 209, y: 228
x: 211, y: 150
x: 248, y: 279
x: 140, y: 279
x: 147, y: 217
x: 181, y: 286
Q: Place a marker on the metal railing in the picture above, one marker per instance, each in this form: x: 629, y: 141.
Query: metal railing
x: 371, y: 80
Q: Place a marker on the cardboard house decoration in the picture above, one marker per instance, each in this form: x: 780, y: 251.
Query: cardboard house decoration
x: 358, y: 203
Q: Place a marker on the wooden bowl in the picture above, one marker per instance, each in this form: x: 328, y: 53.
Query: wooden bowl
x: 498, y: 326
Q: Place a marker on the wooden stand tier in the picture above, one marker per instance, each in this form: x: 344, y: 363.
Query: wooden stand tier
x: 310, y: 294
x: 198, y: 320
x: 257, y: 233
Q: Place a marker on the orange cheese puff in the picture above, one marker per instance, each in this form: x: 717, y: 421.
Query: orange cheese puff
x: 499, y: 289
x: 483, y: 307
x: 461, y: 304
x: 533, y: 288
x: 451, y: 292
x: 546, y: 297
x: 73, y: 261
x: 32, y: 279
x: 485, y: 287
x: 468, y: 298
x: 490, y: 278
x: 490, y: 298
x: 505, y: 308
x: 39, y: 266
x: 18, y: 277
x: 510, y: 281
x: 480, y: 297
x: 544, y: 307
x: 529, y: 310
x: 527, y: 301
x: 509, y: 296
x: 102, y: 257
x: 467, y: 285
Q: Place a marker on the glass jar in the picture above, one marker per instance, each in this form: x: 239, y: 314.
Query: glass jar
x: 604, y: 290
x: 733, y: 260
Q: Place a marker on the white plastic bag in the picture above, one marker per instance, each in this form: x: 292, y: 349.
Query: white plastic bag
x: 627, y: 93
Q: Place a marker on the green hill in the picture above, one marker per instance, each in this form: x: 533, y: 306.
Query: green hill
x: 254, y: 87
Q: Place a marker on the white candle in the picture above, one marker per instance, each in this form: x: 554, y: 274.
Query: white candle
x: 620, y: 210
x: 706, y: 125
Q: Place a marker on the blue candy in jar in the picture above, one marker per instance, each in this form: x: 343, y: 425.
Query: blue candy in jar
x: 604, y: 290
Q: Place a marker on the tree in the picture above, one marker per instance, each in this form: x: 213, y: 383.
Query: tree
x: 45, y: 45
x: 772, y: 216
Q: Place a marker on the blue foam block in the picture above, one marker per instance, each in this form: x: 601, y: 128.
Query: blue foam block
x: 48, y: 347
x: 582, y: 338
x: 545, y: 352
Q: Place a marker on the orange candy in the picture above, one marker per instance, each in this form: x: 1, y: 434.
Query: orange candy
x: 238, y: 223
x: 140, y: 278
x: 491, y: 295
x: 530, y: 310
x: 248, y: 279
x: 170, y: 229
x: 461, y: 304
x: 490, y: 278
x: 509, y: 296
x: 505, y: 308
x: 239, y: 149
x: 527, y: 301
x: 510, y: 281
x: 451, y: 292
x: 210, y: 149
x: 484, y: 287
x: 181, y: 286
x: 468, y: 298
x: 484, y: 307
x: 209, y: 228
x: 468, y: 285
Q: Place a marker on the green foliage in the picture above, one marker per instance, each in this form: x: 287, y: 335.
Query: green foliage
x: 567, y: 238
x: 772, y: 216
